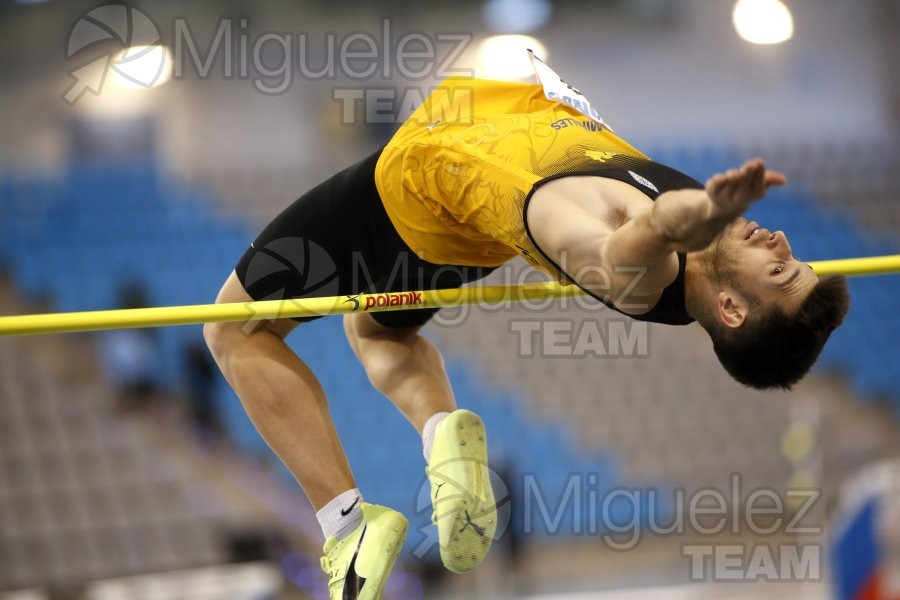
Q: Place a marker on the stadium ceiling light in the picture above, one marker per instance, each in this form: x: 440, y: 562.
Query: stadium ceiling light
x: 763, y: 21
x: 142, y: 67
x: 505, y: 57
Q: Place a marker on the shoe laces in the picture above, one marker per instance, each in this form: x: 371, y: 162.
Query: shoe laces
x: 332, y: 568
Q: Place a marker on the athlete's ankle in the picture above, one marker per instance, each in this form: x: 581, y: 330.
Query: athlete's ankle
x: 428, y: 432
x: 342, y: 515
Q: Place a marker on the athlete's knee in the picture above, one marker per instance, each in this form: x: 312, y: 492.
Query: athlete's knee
x: 219, y: 338
x: 388, y: 355
x: 223, y: 338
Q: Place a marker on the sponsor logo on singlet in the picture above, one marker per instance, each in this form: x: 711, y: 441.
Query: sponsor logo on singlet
x: 591, y: 126
x: 643, y: 181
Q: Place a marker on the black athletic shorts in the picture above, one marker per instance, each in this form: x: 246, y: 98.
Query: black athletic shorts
x: 337, y: 240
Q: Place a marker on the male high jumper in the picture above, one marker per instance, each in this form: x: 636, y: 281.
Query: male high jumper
x: 484, y: 171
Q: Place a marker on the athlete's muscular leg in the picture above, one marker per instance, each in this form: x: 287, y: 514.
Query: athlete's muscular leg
x: 402, y: 365
x: 282, y: 397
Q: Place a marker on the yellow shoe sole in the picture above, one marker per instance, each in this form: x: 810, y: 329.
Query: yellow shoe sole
x: 464, y: 508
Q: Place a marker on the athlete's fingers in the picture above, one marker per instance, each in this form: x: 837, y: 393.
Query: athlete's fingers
x: 755, y: 163
x: 755, y: 168
x: 756, y: 184
x: 775, y: 178
x: 758, y: 173
x: 717, y: 186
x: 748, y: 168
x: 735, y: 189
x: 714, y: 183
x: 732, y: 183
x: 751, y: 183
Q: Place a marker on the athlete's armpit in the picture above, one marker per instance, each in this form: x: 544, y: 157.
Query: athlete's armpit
x: 640, y: 260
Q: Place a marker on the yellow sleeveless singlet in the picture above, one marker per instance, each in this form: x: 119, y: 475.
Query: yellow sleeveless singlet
x: 455, y: 176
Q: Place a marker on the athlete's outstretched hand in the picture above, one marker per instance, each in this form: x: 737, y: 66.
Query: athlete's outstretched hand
x: 690, y: 219
x: 732, y: 192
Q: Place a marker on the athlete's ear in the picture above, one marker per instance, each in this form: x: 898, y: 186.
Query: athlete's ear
x: 731, y: 309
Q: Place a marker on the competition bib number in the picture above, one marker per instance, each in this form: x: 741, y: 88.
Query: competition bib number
x: 557, y: 90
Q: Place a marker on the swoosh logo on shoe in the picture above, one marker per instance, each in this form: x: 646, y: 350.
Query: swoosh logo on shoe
x: 354, y: 582
x: 346, y: 512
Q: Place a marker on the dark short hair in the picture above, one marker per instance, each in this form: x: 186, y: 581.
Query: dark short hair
x: 775, y: 350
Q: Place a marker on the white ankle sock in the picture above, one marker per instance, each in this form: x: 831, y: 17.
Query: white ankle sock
x: 342, y: 515
x: 428, y: 432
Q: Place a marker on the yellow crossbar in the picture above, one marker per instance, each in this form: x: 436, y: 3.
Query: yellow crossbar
x: 280, y: 309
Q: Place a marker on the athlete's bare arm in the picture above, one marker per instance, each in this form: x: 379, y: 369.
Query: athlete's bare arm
x: 616, y: 238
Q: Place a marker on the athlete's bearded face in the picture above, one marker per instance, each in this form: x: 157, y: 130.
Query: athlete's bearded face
x: 759, y: 265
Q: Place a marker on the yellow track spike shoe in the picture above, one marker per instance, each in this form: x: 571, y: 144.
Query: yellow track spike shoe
x: 464, y: 509
x: 358, y: 565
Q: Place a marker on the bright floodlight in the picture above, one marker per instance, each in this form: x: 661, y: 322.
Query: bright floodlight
x: 763, y: 21
x: 142, y: 67
x: 505, y: 57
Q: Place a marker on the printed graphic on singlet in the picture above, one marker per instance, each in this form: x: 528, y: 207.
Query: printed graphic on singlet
x: 599, y: 156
